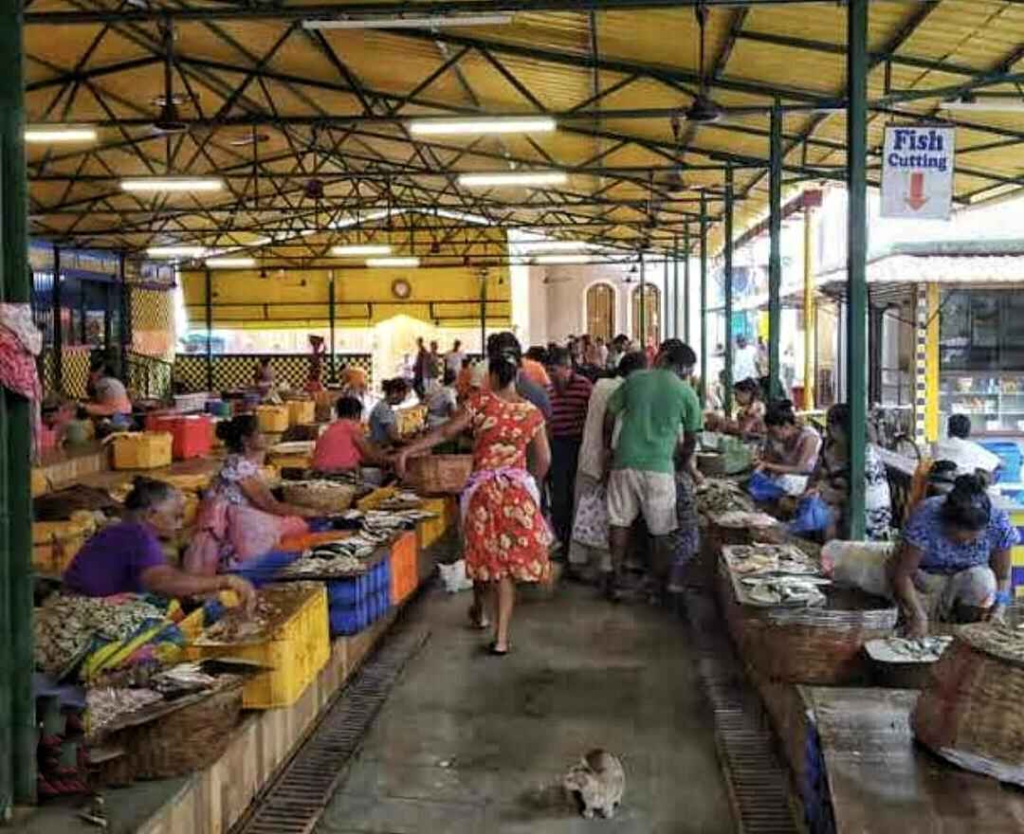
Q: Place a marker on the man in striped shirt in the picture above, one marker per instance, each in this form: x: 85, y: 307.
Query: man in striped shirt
x: 570, y: 395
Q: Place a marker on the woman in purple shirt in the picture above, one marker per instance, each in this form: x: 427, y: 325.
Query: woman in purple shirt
x: 127, y: 557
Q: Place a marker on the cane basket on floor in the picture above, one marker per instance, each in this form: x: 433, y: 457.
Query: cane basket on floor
x: 969, y: 712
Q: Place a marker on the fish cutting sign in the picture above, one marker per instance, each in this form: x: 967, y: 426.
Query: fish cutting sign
x: 917, y: 172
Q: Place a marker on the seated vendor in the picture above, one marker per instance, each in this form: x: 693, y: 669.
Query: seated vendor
x: 750, y: 412
x: 383, y: 420
x: 344, y: 447
x: 830, y: 480
x: 127, y: 557
x: 792, y: 447
x: 109, y: 396
x: 954, y: 561
x: 239, y: 518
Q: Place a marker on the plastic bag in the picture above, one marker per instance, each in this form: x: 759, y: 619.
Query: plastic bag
x: 764, y: 489
x: 454, y: 577
x: 590, y: 527
x: 860, y: 564
x: 812, y: 516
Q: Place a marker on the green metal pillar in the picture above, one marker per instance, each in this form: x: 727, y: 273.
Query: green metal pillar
x: 675, y: 286
x: 727, y: 268
x: 775, y: 253
x: 17, y: 708
x: 703, y: 301
x: 330, y: 316
x: 209, y: 331
x: 58, y: 331
x: 686, y: 284
x: 642, y: 334
x: 123, y: 311
x: 857, y: 241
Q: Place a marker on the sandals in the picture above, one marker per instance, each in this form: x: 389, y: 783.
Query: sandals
x: 492, y: 649
x: 477, y: 619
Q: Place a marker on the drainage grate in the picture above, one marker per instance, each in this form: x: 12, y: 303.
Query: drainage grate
x: 295, y: 801
x: 757, y: 780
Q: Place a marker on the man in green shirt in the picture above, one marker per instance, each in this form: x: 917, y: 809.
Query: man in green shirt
x: 658, y: 408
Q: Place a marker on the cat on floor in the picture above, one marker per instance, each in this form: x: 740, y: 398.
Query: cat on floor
x: 597, y: 783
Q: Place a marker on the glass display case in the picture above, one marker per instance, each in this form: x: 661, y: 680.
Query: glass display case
x: 994, y: 402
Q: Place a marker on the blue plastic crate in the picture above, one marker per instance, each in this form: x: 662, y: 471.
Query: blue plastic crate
x: 1011, y: 456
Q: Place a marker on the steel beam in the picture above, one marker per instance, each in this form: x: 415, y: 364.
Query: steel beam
x: 686, y: 284
x: 208, y: 285
x: 727, y: 269
x: 856, y: 287
x: 675, y: 286
x: 775, y: 255
x: 17, y: 704
x: 369, y: 10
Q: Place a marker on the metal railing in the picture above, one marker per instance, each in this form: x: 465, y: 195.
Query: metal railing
x: 148, y: 377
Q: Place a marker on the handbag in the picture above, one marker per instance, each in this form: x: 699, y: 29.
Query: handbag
x: 590, y: 527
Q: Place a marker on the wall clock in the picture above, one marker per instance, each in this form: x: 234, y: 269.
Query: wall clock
x: 401, y: 289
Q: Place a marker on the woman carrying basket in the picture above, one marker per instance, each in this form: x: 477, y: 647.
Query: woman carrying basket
x: 507, y: 538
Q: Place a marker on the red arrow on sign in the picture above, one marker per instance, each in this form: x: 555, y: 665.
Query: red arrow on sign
x: 916, y: 199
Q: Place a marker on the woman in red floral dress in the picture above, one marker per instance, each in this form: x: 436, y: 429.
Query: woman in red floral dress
x: 507, y: 537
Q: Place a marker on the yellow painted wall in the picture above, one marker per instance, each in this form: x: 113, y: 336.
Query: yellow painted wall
x: 362, y: 296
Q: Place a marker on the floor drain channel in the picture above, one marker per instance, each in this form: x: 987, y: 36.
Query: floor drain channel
x: 758, y: 782
x: 296, y: 800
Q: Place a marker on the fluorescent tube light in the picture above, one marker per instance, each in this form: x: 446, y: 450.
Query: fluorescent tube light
x: 441, y: 127
x: 395, y: 263
x: 410, y: 22
x: 551, y: 246
x: 53, y: 135
x: 155, y: 184
x: 231, y: 263
x: 364, y: 249
x: 554, y: 260
x: 1008, y: 104
x: 520, y: 178
x: 176, y: 251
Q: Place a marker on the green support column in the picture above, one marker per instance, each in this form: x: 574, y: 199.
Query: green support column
x: 642, y: 333
x: 58, y: 331
x: 209, y: 331
x: 775, y: 252
x: 330, y: 316
x: 703, y: 301
x: 857, y: 241
x: 686, y: 284
x: 727, y: 393
x: 17, y: 708
x: 675, y: 286
x: 123, y: 310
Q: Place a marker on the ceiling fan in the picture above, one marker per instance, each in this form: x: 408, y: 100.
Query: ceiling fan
x: 169, y: 121
x: 703, y: 110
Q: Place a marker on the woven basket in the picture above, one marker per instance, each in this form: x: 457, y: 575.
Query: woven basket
x: 970, y: 711
x: 189, y: 739
x: 326, y: 496
x: 814, y: 646
x: 439, y: 474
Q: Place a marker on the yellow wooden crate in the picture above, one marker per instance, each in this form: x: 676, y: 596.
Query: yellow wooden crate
x: 432, y: 530
x: 295, y: 654
x: 55, y: 543
x: 148, y: 450
x: 375, y: 498
x: 272, y: 419
x: 301, y: 412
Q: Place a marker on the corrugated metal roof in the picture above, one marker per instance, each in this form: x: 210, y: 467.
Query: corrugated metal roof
x: 329, y: 105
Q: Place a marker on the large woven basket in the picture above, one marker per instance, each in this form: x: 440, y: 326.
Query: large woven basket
x: 327, y: 496
x: 813, y: 646
x: 439, y: 474
x: 189, y: 739
x: 969, y: 712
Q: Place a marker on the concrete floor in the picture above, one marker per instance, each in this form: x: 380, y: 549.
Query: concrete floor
x: 471, y: 743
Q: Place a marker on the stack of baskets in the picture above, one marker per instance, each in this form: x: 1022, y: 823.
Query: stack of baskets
x: 969, y: 711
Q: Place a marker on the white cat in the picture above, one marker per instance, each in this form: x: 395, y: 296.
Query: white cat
x: 597, y: 782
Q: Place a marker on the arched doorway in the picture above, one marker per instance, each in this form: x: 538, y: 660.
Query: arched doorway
x: 600, y: 304
x: 652, y: 314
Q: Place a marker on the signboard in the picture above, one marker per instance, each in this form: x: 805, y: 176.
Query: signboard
x: 917, y: 172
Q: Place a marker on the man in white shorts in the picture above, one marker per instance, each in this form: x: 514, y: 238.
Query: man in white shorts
x: 657, y: 406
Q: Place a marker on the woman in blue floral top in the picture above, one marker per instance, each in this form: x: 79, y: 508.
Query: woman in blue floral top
x: 954, y: 562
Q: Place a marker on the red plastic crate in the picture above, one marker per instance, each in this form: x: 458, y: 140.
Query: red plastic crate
x: 193, y: 435
x: 404, y: 567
